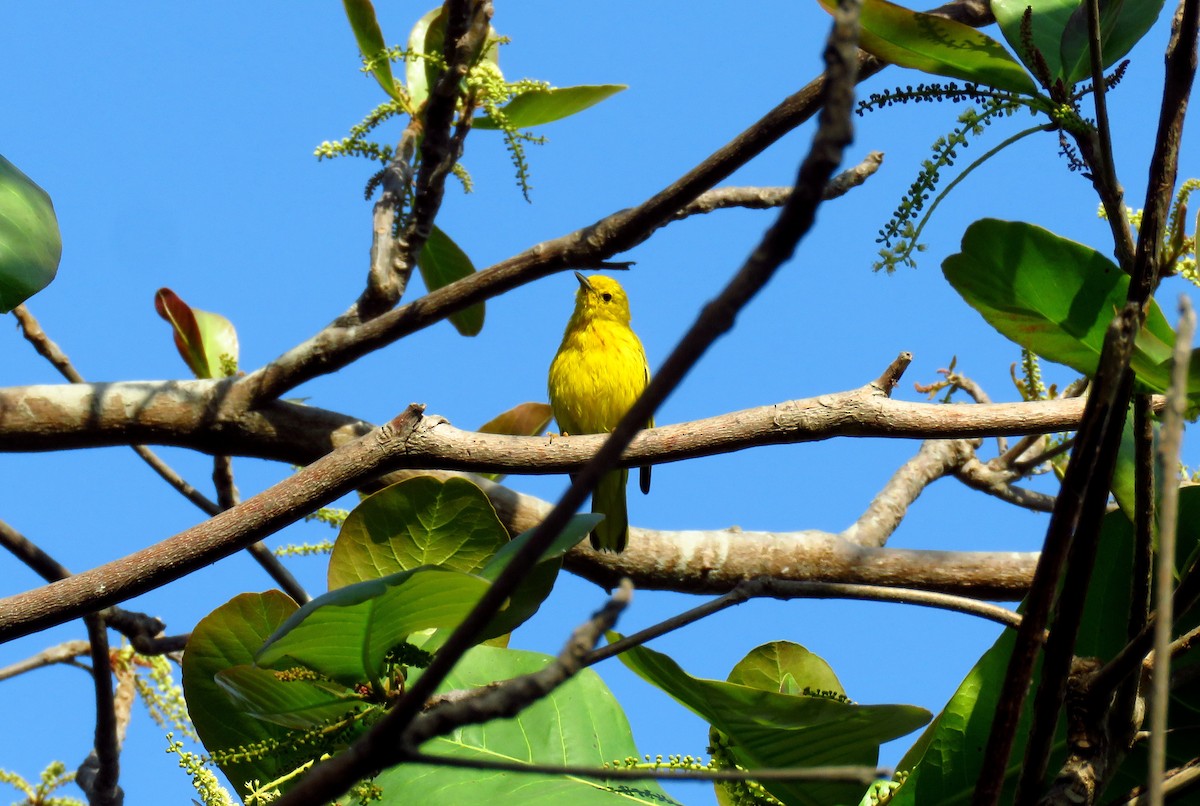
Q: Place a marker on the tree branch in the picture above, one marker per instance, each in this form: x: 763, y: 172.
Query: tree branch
x: 63, y: 417
x: 97, y: 776
x: 65, y: 652
x: 767, y: 587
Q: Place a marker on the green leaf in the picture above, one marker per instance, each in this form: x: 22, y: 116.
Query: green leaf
x: 227, y: 637
x: 579, y: 723
x: 295, y: 704
x: 361, y: 14
x: 944, y: 763
x: 777, y: 665
x: 1059, y: 29
x: 1122, y: 24
x: 1055, y: 297
x: 30, y: 244
x: 206, y: 341
x: 427, y: 36
x: 346, y: 633
x: 769, y: 729
x: 441, y: 263
x: 937, y: 45
x: 420, y: 521
x: 523, y: 420
x: 538, y: 107
x: 1123, y: 482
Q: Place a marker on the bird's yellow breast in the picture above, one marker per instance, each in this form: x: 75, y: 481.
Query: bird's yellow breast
x: 598, y: 373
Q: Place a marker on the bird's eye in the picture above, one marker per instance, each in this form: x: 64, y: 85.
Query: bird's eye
x: 607, y: 297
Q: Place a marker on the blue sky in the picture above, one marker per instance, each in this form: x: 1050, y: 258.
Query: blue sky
x: 176, y: 142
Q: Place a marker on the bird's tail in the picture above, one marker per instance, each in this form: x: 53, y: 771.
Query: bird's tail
x: 612, y: 533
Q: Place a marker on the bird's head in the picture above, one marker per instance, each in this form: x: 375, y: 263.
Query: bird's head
x: 601, y: 297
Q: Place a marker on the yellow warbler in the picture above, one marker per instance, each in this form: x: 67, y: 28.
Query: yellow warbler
x: 599, y: 370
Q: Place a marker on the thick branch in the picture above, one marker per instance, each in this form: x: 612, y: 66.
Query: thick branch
x: 63, y: 417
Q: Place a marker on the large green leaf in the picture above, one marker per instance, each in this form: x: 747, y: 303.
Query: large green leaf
x: 292, y: 703
x: 770, y: 729
x: 579, y: 723
x: 944, y: 763
x: 1122, y: 24
x: 1059, y: 30
x: 346, y: 633
x: 228, y: 637
x: 1055, y: 297
x: 442, y: 262
x: 539, y: 107
x: 419, y: 521
x: 30, y: 244
x: 207, y: 342
x: 937, y: 45
x: 361, y: 14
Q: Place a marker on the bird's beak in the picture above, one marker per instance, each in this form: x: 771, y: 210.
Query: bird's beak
x: 583, y: 281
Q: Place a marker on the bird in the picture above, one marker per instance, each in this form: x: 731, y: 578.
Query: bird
x: 600, y: 369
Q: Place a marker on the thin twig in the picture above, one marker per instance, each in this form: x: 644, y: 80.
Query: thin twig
x: 934, y: 460
x: 863, y: 776
x: 1170, y: 441
x: 1103, y: 166
x: 765, y: 198
x: 1164, y: 161
x: 508, y: 698
x: 983, y: 476
x: 766, y: 587
x: 228, y: 498
x: 64, y: 653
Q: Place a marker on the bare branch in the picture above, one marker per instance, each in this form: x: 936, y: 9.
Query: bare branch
x: 97, y: 776
x: 1170, y: 441
x: 65, y: 652
x: 62, y: 417
x: 766, y: 587
x: 1164, y: 162
x: 935, y: 459
x: 862, y: 776
x: 984, y: 477
x: 227, y: 494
